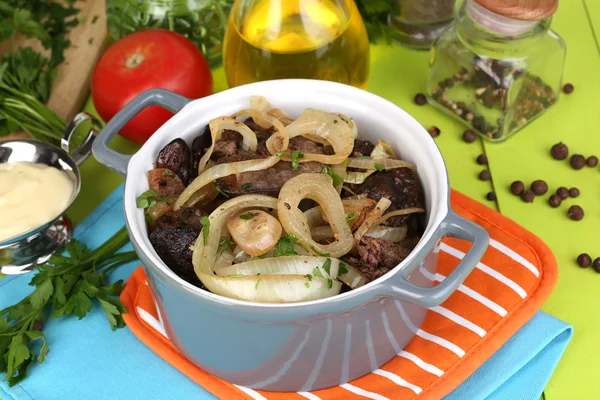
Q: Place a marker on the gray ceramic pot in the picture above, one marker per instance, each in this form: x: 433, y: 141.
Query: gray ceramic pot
x: 304, y: 346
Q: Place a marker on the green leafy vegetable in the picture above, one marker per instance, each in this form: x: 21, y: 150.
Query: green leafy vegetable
x: 246, y: 186
x: 280, y: 153
x: 296, y: 156
x: 343, y: 269
x: 309, y: 277
x: 317, y: 272
x: 224, y: 244
x: 337, y: 180
x: 364, y: 157
x: 220, y: 191
x: 248, y: 215
x: 65, y: 285
x: 350, y: 218
x: 379, y: 167
x: 285, y: 246
x: 206, y: 228
x: 235, y: 276
x: 148, y: 199
x: 329, y: 283
x: 256, y: 286
x: 375, y: 14
x: 327, y: 266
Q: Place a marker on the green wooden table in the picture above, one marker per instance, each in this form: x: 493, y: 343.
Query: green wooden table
x: 398, y: 74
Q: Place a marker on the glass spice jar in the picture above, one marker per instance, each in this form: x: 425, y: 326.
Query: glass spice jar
x: 498, y: 66
x: 418, y: 23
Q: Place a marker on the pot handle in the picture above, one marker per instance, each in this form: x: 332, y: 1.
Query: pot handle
x: 115, y: 160
x: 453, y: 226
x: 80, y: 154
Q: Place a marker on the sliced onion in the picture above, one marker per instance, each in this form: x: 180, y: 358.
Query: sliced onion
x: 200, y: 188
x: 260, y: 103
x: 386, y: 163
x: 314, y: 216
x: 290, y: 265
x: 347, y: 189
x: 317, y: 187
x: 321, y: 126
x: 354, y: 206
x: 404, y: 211
x: 279, y: 140
x: 281, y: 116
x: 355, y: 197
x: 224, y: 259
x: 239, y: 256
x: 320, y: 233
x: 372, y: 216
x: 217, y: 127
x: 353, y: 277
x: 255, y: 231
x: 358, y: 178
x: 273, y: 288
x: 340, y: 170
x: 383, y: 150
x: 391, y: 233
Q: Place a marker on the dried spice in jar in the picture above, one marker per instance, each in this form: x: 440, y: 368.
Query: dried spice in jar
x: 486, y: 69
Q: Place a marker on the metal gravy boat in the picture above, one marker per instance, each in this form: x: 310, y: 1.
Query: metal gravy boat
x: 21, y: 253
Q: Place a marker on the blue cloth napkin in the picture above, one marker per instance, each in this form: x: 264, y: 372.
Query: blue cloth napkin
x: 89, y: 361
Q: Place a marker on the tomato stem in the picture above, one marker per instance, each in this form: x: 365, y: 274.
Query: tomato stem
x: 134, y: 60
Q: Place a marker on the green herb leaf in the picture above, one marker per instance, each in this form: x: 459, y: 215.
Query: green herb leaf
x: 246, y: 186
x: 306, y: 284
x: 317, y: 252
x: 224, y: 244
x: 379, y: 167
x: 113, y: 314
x: 34, y: 335
x: 296, y: 156
x: 350, y: 218
x: 285, y: 246
x: 257, y: 282
x: 248, y: 215
x: 280, y: 153
x: 147, y: 199
x: 337, y: 180
x: 317, y: 272
x: 18, y: 352
x: 327, y: 266
x: 220, y: 191
x: 169, y: 174
x: 329, y: 283
x: 42, y: 294
x: 235, y: 276
x: 363, y: 157
x: 309, y: 277
x: 206, y: 228
x: 343, y: 269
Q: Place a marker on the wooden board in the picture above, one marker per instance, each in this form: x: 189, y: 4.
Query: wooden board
x: 71, y: 84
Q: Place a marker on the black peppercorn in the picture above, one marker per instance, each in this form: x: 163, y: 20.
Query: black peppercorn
x: 528, y: 196
x: 592, y: 161
x: 577, y: 161
x: 434, y: 131
x: 554, y: 201
x: 575, y: 213
x: 562, y: 192
x: 420, y: 99
x: 469, y: 136
x: 482, y: 159
x: 485, y: 175
x: 573, y: 192
x: 491, y: 196
x: 539, y: 187
x: 517, y: 188
x: 584, y: 260
x: 559, y: 151
x: 596, y: 265
x: 568, y: 88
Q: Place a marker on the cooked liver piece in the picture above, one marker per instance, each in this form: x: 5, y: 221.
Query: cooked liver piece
x: 375, y: 257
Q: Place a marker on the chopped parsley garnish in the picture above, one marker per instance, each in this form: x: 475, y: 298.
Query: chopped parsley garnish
x: 280, y: 153
x: 317, y: 272
x: 148, y: 219
x: 317, y: 252
x: 235, y: 276
x: 364, y: 157
x: 220, y: 190
x: 306, y: 284
x: 248, y: 215
x: 246, y: 186
x: 206, y: 230
x: 296, y: 156
x: 285, y: 246
x: 256, y: 286
x: 327, y: 266
x: 379, y: 167
x: 309, y: 277
x: 337, y: 180
x: 224, y: 244
x: 343, y: 269
x: 350, y: 218
x: 169, y: 174
x: 148, y: 199
x: 329, y: 283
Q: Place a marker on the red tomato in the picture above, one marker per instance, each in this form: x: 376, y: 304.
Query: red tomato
x: 153, y: 58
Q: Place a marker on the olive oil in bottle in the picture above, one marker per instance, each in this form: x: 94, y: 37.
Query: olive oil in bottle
x: 311, y: 39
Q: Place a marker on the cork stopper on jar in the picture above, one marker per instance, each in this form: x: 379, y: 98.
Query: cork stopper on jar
x: 525, y: 10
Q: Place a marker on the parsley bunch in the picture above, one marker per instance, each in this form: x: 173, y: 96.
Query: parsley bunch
x: 375, y: 14
x: 65, y: 285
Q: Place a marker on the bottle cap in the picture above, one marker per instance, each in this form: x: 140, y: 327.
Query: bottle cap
x: 524, y: 10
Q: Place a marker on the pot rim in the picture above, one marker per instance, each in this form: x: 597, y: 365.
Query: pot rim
x: 381, y: 109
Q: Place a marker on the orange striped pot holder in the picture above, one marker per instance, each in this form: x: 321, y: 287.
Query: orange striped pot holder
x: 515, y: 276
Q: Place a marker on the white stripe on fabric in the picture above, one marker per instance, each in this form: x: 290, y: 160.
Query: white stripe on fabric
x: 370, y: 349
x: 315, y: 372
x: 286, y: 365
x: 498, y: 309
x: 153, y: 322
x: 515, y: 256
x: 251, y: 392
x: 428, y: 336
x: 309, y: 395
x: 459, y: 320
x: 490, y: 271
x: 398, y: 380
x: 346, y: 360
x: 401, y: 353
x: 424, y: 365
x: 160, y: 318
x: 362, y: 392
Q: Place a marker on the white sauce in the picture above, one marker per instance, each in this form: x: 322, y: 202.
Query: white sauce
x: 31, y: 195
